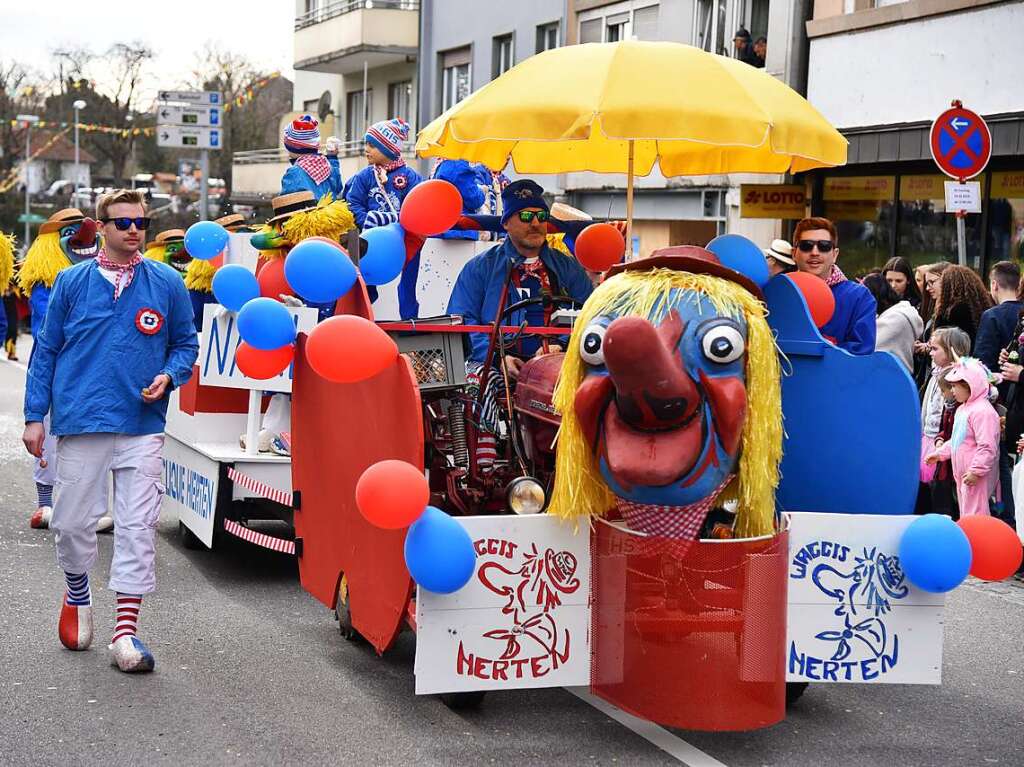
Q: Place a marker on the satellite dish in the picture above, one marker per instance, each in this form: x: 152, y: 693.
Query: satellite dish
x: 323, y: 107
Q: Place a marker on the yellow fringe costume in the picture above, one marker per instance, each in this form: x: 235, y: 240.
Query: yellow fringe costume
x: 199, y: 275
x: 6, y: 261
x: 43, y: 261
x: 580, y: 490
x: 328, y: 219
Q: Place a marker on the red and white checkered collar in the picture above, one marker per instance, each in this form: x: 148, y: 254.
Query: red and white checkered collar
x: 678, y: 522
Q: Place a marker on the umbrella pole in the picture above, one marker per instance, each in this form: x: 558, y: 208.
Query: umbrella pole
x: 629, y: 204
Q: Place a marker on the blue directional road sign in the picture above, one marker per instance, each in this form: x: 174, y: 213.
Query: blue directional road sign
x: 961, y: 143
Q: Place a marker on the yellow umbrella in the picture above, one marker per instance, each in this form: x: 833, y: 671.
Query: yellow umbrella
x: 622, y: 107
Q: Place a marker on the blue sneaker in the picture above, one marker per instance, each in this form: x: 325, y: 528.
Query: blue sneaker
x: 130, y: 655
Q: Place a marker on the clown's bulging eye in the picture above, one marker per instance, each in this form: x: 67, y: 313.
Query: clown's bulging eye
x: 592, y: 344
x: 723, y: 344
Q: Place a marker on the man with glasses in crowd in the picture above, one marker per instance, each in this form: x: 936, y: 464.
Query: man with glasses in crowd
x: 117, y: 337
x: 530, y: 269
x: 815, y: 251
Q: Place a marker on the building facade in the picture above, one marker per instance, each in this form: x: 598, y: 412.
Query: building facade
x: 912, y: 59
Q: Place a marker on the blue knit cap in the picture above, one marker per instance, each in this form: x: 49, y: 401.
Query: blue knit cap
x: 519, y: 195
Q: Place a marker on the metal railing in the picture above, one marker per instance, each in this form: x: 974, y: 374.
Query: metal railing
x: 330, y: 10
x: 348, y: 149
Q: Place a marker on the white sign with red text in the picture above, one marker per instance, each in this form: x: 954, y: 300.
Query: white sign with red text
x: 522, y: 621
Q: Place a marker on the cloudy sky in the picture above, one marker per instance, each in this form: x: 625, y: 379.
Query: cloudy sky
x: 175, y: 29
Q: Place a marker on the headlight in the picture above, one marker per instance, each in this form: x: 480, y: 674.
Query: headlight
x: 526, y: 496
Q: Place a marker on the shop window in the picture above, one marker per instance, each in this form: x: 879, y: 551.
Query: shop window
x: 862, y: 209
x: 1006, y: 216
x: 927, y: 233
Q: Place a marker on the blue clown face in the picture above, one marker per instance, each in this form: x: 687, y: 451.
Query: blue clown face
x: 80, y: 241
x: 664, y: 399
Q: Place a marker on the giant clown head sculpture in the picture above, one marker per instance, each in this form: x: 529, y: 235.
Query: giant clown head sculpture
x: 670, y: 399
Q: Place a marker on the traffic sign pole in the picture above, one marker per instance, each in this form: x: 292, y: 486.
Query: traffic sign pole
x: 204, y: 184
x: 195, y: 121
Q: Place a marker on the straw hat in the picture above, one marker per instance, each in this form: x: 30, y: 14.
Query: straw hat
x: 288, y: 205
x: 231, y: 221
x: 60, y: 219
x: 564, y: 212
x: 782, y: 251
x: 166, y: 237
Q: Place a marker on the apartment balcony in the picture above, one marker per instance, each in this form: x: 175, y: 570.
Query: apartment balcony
x: 256, y: 174
x: 339, y: 36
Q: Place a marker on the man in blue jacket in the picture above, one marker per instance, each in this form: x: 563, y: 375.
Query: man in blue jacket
x: 118, y: 335
x: 815, y: 250
x: 531, y: 269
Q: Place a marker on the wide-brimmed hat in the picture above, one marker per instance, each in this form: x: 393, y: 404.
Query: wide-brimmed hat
x: 231, y: 220
x: 688, y: 258
x: 166, y: 237
x: 782, y: 251
x: 564, y: 212
x: 60, y: 219
x: 287, y: 205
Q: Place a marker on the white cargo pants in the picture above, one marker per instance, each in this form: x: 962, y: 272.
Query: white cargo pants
x: 84, y: 462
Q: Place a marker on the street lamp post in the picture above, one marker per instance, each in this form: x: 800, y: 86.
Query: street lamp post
x: 28, y: 121
x: 79, y: 105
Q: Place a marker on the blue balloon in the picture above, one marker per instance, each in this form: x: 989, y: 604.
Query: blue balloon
x: 935, y: 553
x: 741, y: 255
x: 319, y: 271
x: 234, y: 286
x: 264, y: 323
x: 205, y: 240
x: 385, y: 254
x: 439, y: 552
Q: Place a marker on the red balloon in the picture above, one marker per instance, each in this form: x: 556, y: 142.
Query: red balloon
x: 817, y: 294
x: 431, y: 207
x: 263, y: 364
x: 349, y: 349
x: 392, y: 494
x: 599, y: 247
x: 995, y: 548
x: 272, y: 281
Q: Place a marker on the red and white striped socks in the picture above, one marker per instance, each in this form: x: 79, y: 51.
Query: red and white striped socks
x: 127, y: 623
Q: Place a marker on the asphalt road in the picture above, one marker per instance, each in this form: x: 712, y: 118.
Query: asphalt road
x: 251, y: 670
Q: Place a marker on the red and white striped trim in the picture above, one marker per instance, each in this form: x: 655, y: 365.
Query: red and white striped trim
x: 259, y: 539
x: 260, y: 488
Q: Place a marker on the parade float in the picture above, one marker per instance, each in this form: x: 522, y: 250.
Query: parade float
x: 701, y: 500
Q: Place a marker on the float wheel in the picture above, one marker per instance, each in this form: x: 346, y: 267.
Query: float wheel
x: 460, y: 701
x: 189, y: 539
x: 342, y: 613
x: 794, y: 690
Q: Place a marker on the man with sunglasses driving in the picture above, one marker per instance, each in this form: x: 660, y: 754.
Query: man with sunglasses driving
x: 530, y: 269
x: 815, y: 250
x: 117, y: 336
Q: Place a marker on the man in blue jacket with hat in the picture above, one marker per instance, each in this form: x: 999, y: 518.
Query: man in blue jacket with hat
x: 531, y: 269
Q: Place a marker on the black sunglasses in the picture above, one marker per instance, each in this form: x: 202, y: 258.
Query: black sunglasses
x: 806, y: 246
x: 526, y: 216
x: 124, y: 223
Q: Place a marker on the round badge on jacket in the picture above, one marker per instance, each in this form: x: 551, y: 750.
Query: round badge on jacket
x: 149, y: 321
x: 400, y: 182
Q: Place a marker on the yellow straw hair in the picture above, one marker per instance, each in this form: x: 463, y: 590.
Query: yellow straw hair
x: 557, y: 242
x: 580, y: 490
x: 199, y: 275
x: 42, y: 262
x: 6, y: 260
x: 328, y: 219
x: 157, y: 253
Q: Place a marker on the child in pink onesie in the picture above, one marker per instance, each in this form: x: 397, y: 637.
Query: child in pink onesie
x: 974, y: 444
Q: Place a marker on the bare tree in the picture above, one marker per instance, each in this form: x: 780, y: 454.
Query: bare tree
x: 247, y: 125
x: 124, y: 64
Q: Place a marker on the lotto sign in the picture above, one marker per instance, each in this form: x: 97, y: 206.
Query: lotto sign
x: 522, y: 621
x: 772, y: 201
x: 961, y: 143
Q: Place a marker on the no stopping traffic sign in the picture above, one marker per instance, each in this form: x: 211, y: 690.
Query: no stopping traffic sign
x: 961, y: 143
